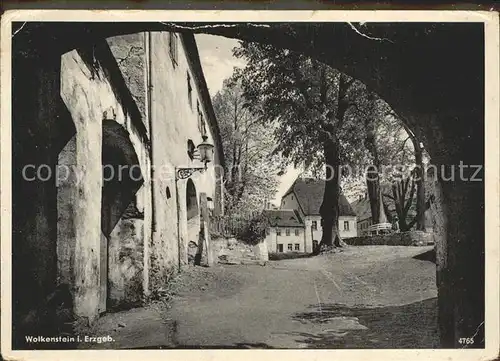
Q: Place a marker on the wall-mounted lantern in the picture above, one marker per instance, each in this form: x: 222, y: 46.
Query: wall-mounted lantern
x: 206, y: 151
x: 206, y: 155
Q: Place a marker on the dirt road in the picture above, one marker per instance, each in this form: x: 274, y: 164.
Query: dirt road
x: 363, y: 297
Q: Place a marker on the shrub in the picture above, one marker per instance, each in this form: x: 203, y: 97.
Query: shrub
x: 249, y: 228
x: 255, y: 230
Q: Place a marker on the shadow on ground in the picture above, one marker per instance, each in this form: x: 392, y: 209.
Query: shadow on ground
x: 430, y: 256
x: 408, y: 326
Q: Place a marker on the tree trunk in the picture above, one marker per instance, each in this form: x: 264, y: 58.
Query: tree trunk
x: 329, y: 209
x: 372, y: 175
x: 420, y: 217
x: 403, y: 204
x: 420, y: 188
x: 375, y: 196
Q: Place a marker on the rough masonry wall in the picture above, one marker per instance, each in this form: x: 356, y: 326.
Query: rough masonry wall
x: 126, y: 263
x: 130, y: 53
x: 174, y: 122
x: 89, y: 97
x: 234, y: 251
x: 86, y: 103
x: 410, y: 238
x: 40, y: 128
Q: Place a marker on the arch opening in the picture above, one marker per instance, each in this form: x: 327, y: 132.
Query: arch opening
x: 121, y: 222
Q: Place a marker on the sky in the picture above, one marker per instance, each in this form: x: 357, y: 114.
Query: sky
x: 218, y: 63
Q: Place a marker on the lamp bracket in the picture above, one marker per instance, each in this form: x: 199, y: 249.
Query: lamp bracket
x: 184, y: 173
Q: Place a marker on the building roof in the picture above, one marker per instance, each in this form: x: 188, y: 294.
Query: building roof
x: 309, y: 193
x: 362, y: 205
x: 362, y: 208
x: 283, y: 218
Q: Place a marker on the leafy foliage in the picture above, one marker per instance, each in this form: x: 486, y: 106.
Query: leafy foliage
x: 250, y: 167
x: 289, y: 91
x: 255, y: 230
x: 320, y: 116
x: 306, y: 102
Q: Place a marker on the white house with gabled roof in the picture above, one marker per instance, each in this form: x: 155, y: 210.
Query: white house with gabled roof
x: 305, y: 196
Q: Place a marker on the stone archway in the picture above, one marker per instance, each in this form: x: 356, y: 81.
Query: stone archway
x: 445, y: 110
x: 122, y: 241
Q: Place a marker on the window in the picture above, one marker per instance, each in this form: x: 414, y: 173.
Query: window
x: 314, y: 225
x: 315, y: 244
x: 287, y: 232
x: 268, y: 231
x: 297, y: 247
x: 190, y: 90
x: 278, y: 232
x: 290, y: 247
x: 168, y: 193
x: 296, y: 232
x: 280, y: 248
x: 346, y: 225
x: 190, y: 149
x: 172, y: 47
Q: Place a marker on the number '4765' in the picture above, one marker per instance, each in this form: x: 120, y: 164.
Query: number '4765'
x: 466, y: 340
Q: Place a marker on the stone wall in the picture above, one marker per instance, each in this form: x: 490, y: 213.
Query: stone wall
x: 233, y: 251
x: 174, y: 122
x: 126, y: 263
x: 171, y: 120
x: 130, y: 54
x: 60, y: 105
x: 41, y: 126
x: 95, y: 247
x: 412, y: 238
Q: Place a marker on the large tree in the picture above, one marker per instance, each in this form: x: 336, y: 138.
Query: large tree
x: 384, y: 149
x: 307, y: 103
x: 250, y: 169
x: 368, y: 109
x: 416, y: 173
